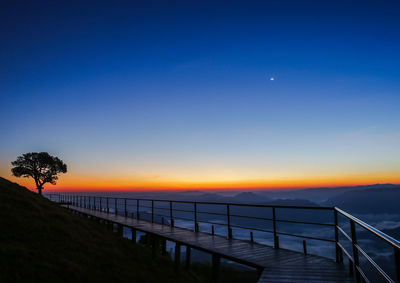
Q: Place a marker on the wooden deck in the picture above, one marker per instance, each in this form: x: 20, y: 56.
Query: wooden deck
x: 277, y: 265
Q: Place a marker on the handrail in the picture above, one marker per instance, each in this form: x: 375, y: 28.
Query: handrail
x: 89, y: 201
x: 198, y: 211
x: 216, y: 203
x: 375, y: 231
x: 357, y: 250
x: 374, y: 264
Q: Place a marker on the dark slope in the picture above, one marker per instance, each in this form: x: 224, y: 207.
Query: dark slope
x: 42, y: 242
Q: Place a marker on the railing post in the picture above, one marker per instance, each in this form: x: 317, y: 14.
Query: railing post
x: 196, y: 225
x: 339, y: 258
x: 163, y: 246
x: 94, y: 202
x: 177, y: 255
x: 152, y: 211
x: 397, y: 262
x: 108, y: 205
x: 115, y: 206
x: 137, y: 209
x: 120, y: 230
x: 154, y: 244
x: 125, y: 210
x: 304, y: 247
x: 170, y: 214
x: 215, y: 265
x: 187, y: 259
x: 276, y: 240
x: 90, y: 203
x: 133, y: 230
x: 355, y: 250
x: 228, y: 215
x: 101, y: 203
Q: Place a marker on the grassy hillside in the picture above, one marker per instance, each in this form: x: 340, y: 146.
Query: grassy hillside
x: 42, y: 242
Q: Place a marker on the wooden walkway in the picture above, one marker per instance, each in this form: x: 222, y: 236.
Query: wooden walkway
x: 277, y: 265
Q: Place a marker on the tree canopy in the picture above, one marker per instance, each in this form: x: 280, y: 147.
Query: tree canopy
x: 40, y: 166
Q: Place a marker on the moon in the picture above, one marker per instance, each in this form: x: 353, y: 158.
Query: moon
x: 271, y: 78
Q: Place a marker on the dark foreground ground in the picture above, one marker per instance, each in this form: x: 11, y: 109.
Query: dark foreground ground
x: 42, y: 242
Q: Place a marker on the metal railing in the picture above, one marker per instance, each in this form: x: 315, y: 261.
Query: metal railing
x: 222, y: 214
x: 353, y: 255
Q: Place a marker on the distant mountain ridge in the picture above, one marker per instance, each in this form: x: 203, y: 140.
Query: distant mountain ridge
x: 373, y: 200
x: 325, y: 193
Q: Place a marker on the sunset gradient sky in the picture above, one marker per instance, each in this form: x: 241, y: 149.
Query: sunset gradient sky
x: 177, y: 94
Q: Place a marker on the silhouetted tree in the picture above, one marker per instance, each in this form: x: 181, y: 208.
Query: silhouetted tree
x: 41, y: 166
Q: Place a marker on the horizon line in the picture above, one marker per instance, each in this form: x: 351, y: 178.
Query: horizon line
x: 205, y: 189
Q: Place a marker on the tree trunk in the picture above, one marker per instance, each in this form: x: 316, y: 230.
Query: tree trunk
x: 39, y: 190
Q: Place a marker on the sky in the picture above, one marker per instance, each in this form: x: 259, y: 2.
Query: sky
x: 179, y: 94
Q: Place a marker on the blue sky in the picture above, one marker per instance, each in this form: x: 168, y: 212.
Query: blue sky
x: 179, y: 92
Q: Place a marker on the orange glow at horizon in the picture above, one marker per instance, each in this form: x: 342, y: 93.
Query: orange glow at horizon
x: 86, y: 184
